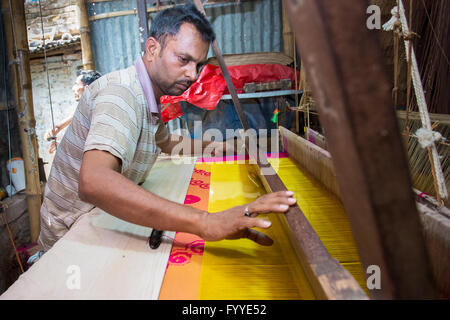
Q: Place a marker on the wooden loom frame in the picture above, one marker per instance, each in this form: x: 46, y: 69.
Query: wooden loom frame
x: 338, y: 50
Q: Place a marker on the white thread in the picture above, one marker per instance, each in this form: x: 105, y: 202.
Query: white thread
x: 389, y: 26
x: 427, y: 138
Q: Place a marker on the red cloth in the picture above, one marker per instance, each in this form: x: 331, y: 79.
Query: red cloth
x: 210, y: 86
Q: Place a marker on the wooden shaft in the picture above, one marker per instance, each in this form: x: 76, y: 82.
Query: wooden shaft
x: 288, y: 37
x: 20, y: 68
x: 86, y: 48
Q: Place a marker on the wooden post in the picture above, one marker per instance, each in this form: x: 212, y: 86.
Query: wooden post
x: 143, y: 23
x: 18, y: 56
x: 86, y: 48
x: 288, y: 37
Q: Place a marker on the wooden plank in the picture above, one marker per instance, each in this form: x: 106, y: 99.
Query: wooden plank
x: 434, y: 117
x: 315, y: 160
x: 343, y: 63
x: 328, y: 278
x: 253, y: 58
x: 107, y: 253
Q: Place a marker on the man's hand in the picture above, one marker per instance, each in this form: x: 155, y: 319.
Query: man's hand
x: 52, y: 147
x: 233, y: 224
x: 52, y: 132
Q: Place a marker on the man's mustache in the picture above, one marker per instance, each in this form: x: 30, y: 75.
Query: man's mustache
x: 186, y: 83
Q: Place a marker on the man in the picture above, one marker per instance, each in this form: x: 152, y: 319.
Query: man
x: 84, y: 79
x: 117, y: 133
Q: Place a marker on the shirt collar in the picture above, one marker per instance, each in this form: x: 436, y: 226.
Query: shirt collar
x: 146, y: 84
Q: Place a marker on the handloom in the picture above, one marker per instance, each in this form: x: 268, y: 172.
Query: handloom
x: 310, y: 249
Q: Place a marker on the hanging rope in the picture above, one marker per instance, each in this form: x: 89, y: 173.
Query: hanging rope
x: 3, y: 213
x: 7, y: 114
x: 413, y: 69
x: 297, y: 127
x: 53, y: 138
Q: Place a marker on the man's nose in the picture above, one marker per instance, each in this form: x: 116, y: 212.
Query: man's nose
x: 191, y: 72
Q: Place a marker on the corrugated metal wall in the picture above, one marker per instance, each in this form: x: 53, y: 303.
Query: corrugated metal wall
x: 115, y: 40
x: 250, y: 26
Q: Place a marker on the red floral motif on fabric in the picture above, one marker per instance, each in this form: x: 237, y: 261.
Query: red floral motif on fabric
x: 199, y: 183
x: 180, y: 257
x: 190, y: 199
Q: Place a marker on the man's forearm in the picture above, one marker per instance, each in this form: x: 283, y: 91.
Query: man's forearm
x: 120, y: 197
x: 183, y: 145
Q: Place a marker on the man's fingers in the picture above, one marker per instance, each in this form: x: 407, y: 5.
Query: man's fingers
x: 259, y: 237
x: 274, y: 202
x: 258, y: 223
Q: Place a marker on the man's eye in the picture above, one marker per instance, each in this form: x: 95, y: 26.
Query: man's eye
x: 184, y: 60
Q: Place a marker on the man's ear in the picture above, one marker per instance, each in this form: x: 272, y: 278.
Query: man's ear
x: 152, y: 49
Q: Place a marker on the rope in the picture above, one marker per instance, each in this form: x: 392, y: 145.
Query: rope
x: 3, y: 212
x: 7, y: 114
x: 441, y: 190
x: 48, y: 78
x: 297, y: 127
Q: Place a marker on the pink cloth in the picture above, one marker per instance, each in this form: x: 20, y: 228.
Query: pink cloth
x: 146, y: 84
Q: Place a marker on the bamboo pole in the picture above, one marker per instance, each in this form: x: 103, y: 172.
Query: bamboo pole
x: 288, y: 37
x: 86, y: 48
x: 18, y: 56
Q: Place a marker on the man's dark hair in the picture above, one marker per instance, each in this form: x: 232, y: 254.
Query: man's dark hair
x: 88, y: 76
x: 168, y: 23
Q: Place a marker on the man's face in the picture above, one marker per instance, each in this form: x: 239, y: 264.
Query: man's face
x: 174, y: 68
x: 78, y: 88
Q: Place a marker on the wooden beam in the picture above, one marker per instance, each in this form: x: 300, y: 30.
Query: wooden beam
x: 86, y: 47
x: 434, y: 117
x: 149, y: 10
x: 18, y: 56
x: 345, y: 71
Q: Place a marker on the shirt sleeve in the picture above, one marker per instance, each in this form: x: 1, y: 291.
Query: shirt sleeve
x: 115, y: 124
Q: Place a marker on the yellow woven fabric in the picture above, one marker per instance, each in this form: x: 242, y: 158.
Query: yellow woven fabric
x: 240, y: 269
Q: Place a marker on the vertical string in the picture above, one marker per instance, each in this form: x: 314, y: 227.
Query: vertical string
x: 297, y: 126
x: 7, y: 113
x: 409, y: 75
x: 48, y: 78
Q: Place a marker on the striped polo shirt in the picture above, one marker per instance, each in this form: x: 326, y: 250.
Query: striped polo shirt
x: 113, y: 115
